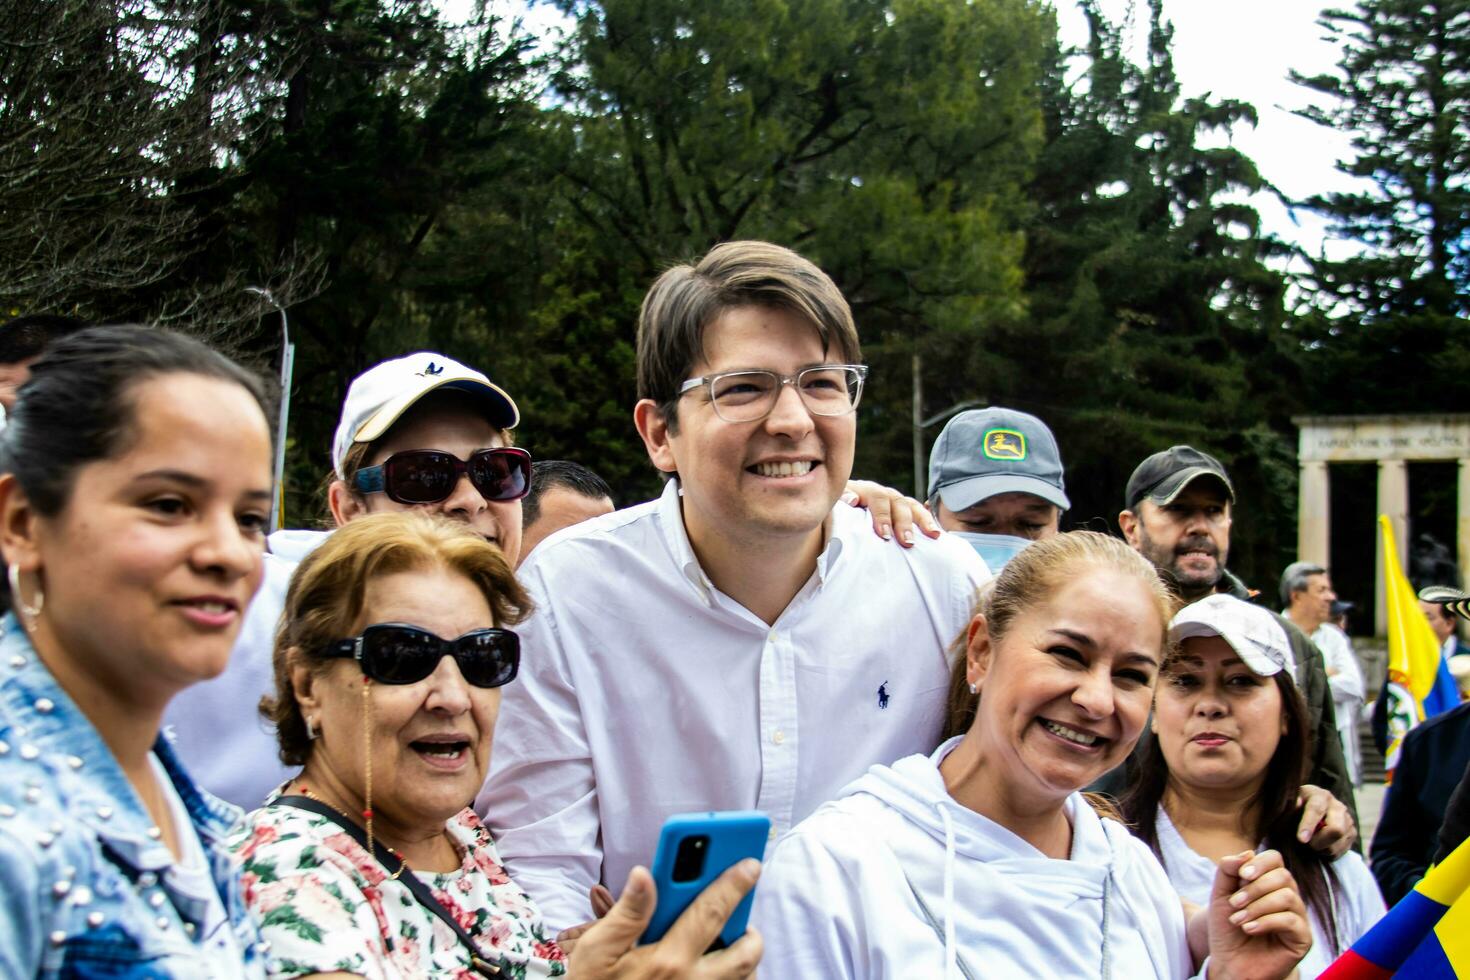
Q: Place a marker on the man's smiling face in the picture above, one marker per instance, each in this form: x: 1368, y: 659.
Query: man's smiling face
x: 772, y: 478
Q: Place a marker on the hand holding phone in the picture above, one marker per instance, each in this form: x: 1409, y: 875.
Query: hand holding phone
x: 606, y: 948
x: 693, y: 850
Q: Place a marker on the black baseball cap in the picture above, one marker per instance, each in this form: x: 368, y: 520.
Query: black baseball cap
x: 1163, y: 475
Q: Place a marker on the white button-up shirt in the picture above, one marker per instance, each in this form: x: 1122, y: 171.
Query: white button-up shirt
x: 644, y: 691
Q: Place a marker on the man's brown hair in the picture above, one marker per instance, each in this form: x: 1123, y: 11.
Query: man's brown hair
x: 686, y: 299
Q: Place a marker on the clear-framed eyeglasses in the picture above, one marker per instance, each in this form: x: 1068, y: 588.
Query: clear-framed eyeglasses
x: 749, y: 396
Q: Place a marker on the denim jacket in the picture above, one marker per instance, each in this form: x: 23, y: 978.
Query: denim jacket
x: 82, y: 888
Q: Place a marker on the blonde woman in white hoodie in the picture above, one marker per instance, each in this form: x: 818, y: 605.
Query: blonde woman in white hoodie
x: 984, y: 859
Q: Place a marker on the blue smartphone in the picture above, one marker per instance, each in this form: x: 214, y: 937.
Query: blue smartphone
x: 693, y: 850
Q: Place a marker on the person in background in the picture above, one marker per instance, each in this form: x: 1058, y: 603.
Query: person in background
x: 1432, y: 758
x: 1443, y: 622
x: 1178, y: 514
x: 1460, y: 671
x: 995, y: 480
x: 134, y: 500
x: 744, y: 641
x: 562, y: 494
x: 1446, y: 628
x: 1455, y: 828
x: 1307, y: 598
x: 1224, y: 768
x: 22, y: 340
x: 984, y: 858
x: 395, y: 644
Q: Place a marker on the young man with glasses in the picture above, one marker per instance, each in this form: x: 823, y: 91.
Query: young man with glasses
x: 742, y: 641
x: 419, y: 432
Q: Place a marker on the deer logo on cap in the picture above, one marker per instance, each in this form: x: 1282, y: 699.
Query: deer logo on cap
x: 1004, y: 444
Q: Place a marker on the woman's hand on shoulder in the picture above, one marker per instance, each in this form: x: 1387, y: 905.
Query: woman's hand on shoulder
x: 894, y: 515
x: 608, y: 948
x: 1257, y: 922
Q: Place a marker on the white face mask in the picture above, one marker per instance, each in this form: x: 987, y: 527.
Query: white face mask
x: 996, y: 549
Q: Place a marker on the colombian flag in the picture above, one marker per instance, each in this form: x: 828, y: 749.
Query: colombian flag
x: 1426, y: 935
x: 1419, y: 681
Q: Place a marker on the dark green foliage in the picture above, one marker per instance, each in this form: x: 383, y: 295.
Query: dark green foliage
x: 1386, y: 329
x: 1040, y: 227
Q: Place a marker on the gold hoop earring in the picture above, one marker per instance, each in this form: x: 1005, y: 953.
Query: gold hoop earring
x: 12, y: 574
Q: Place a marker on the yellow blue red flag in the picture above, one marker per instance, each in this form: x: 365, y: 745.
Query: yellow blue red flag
x: 1426, y: 935
x: 1420, y: 685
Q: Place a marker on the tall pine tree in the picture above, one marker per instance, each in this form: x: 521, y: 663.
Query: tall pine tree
x: 1386, y: 331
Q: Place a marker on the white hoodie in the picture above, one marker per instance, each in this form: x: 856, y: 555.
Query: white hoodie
x: 845, y: 893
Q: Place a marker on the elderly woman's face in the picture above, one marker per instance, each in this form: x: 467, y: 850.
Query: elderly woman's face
x: 1065, y: 693
x: 1217, y: 721
x: 431, y: 739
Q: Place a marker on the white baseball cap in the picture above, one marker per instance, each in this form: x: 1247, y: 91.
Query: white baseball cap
x: 1251, y: 631
x: 381, y: 394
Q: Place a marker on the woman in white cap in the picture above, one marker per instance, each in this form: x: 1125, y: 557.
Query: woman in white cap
x: 1227, y: 764
x: 985, y: 858
x: 421, y: 432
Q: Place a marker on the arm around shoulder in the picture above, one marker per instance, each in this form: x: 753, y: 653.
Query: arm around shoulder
x: 1329, y: 768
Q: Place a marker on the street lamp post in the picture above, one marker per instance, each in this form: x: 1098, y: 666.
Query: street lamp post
x: 921, y: 492
x: 288, y: 363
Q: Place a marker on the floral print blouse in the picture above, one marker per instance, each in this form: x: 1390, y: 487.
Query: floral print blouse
x: 325, y: 905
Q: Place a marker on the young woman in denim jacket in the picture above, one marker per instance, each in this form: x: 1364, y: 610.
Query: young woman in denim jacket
x: 133, y: 504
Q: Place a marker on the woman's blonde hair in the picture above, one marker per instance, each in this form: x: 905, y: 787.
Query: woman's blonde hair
x: 326, y: 595
x: 1034, y: 576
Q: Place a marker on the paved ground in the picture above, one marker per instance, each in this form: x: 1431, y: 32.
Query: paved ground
x: 1370, y: 805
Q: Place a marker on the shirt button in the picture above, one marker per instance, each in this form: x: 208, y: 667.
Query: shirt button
x: 779, y: 737
x: 773, y: 636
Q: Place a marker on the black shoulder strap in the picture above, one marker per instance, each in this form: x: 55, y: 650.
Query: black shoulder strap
x: 394, y: 865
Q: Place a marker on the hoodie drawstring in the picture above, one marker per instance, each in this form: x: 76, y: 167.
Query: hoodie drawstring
x: 950, y: 966
x: 953, y: 965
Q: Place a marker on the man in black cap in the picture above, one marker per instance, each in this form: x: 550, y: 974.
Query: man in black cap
x: 1178, y: 516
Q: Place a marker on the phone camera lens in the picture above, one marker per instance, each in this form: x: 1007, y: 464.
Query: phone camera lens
x: 689, y: 859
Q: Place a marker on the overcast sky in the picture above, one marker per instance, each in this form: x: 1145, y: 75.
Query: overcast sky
x: 1241, y: 50
x: 1244, y: 50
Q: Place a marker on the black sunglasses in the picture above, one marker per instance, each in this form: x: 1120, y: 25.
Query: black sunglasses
x: 396, y: 653
x: 427, y: 476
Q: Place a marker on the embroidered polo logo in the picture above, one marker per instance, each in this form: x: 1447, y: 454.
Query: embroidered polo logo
x: 883, y: 695
x: 1004, y: 444
x: 432, y: 371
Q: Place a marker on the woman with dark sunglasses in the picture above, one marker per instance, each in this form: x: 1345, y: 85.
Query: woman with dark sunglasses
x: 419, y: 433
x: 392, y: 651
